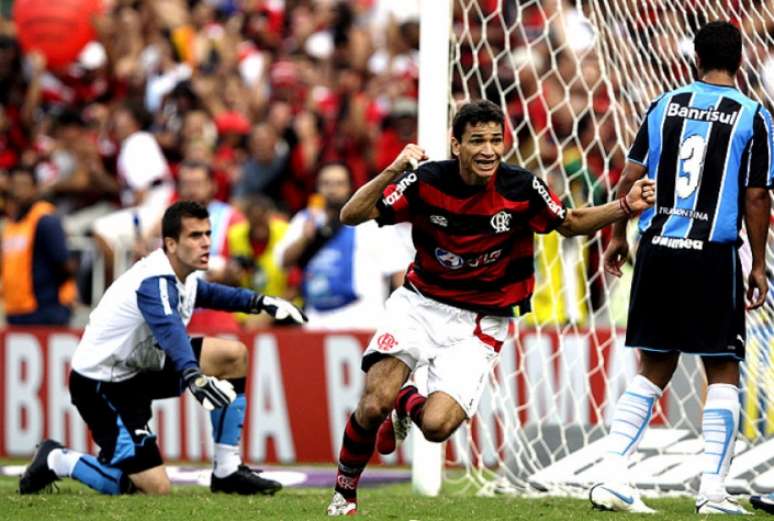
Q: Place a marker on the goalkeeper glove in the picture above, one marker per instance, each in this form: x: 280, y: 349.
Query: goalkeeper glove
x: 277, y: 307
x: 212, y: 393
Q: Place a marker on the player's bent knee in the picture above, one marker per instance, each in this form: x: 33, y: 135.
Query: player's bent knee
x: 437, y: 429
x: 374, y: 408
x: 239, y: 358
x: 224, y: 358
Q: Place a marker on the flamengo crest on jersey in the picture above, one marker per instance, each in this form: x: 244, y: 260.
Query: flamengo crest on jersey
x: 117, y: 342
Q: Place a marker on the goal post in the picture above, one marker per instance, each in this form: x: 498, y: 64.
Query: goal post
x: 574, y: 77
x: 433, y: 121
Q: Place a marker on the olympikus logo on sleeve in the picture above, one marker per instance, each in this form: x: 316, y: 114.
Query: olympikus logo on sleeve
x: 556, y: 208
x: 401, y: 187
x: 727, y: 118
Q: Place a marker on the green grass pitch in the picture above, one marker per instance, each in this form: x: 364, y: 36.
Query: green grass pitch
x: 395, y: 502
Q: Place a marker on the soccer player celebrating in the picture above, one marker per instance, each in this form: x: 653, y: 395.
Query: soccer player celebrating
x: 709, y: 149
x: 135, y: 350
x: 474, y: 220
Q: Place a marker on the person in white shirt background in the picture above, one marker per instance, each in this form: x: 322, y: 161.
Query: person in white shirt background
x: 347, y: 271
x: 146, y: 183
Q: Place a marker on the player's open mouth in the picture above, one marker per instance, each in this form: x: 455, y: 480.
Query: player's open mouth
x: 205, y: 257
x: 485, y: 166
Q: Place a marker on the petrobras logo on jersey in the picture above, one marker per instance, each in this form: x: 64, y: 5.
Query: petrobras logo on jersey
x: 709, y: 115
x: 401, y: 187
x: 552, y: 205
x: 454, y: 262
x: 448, y: 259
x: 677, y: 243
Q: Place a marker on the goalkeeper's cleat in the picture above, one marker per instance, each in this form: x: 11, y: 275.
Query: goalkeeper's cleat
x: 245, y: 481
x: 728, y: 506
x: 341, y: 507
x: 392, y: 432
x: 618, y: 498
x: 37, y: 475
x: 765, y: 502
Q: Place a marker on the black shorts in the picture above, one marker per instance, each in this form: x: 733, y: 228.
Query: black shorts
x: 117, y: 413
x: 687, y: 297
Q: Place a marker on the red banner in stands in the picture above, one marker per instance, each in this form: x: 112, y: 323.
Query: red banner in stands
x: 301, y: 389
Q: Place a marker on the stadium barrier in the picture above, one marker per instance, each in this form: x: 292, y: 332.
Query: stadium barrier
x: 301, y: 388
x: 303, y: 385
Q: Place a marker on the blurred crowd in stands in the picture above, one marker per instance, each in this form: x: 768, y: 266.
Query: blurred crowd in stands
x: 272, y: 112
x: 237, y: 103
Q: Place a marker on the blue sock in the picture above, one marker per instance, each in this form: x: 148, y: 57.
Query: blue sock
x: 102, y: 478
x: 227, y: 432
x: 227, y: 422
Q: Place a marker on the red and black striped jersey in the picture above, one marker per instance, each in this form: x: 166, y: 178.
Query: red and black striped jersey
x: 474, y: 243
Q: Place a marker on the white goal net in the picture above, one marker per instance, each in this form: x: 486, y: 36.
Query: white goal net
x: 574, y: 78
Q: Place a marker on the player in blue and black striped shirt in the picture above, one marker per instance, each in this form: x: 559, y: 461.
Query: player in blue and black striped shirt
x: 709, y: 149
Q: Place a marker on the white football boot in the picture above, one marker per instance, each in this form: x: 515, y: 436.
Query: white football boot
x: 729, y: 506
x: 341, y: 507
x: 618, y: 498
x: 392, y: 432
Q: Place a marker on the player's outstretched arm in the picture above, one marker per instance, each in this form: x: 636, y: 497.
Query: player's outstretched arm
x: 583, y: 221
x: 757, y: 211
x: 211, y: 295
x: 361, y: 206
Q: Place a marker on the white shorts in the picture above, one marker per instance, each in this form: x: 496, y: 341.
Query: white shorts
x: 458, y: 346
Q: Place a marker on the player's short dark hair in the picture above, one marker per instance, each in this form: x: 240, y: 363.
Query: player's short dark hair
x: 172, y: 222
x: 473, y: 113
x: 719, y: 47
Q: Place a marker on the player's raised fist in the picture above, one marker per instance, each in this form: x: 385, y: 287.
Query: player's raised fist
x: 642, y: 195
x: 408, y: 159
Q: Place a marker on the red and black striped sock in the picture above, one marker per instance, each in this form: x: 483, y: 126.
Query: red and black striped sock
x: 356, y: 450
x: 410, y: 402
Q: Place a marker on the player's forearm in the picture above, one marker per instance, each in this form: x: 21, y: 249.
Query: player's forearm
x: 584, y: 221
x: 757, y: 211
x: 212, y: 295
x: 361, y: 206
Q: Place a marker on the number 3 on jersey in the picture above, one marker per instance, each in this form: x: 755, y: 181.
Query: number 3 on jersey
x: 692, y: 158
